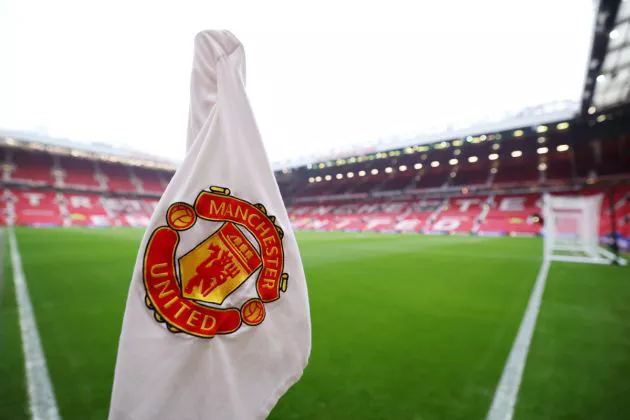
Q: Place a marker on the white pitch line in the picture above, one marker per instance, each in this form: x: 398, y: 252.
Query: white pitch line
x: 506, y: 394
x: 41, y: 396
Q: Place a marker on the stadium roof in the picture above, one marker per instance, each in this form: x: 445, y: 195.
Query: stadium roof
x: 529, y: 117
x: 98, y: 151
x: 607, y: 83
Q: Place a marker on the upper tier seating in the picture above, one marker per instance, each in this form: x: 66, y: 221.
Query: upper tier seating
x: 151, y: 180
x: 79, y: 173
x: 118, y: 178
x: 32, y: 167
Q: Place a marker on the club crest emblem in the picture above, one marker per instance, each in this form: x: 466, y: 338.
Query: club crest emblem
x: 188, y: 293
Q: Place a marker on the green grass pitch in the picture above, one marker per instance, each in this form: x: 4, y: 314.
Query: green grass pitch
x: 404, y: 326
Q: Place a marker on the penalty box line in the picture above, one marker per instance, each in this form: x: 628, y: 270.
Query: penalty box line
x: 41, y: 397
x: 506, y: 394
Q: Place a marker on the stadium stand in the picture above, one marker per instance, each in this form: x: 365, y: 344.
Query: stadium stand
x: 119, y: 178
x: 84, y: 209
x: 29, y: 167
x: 482, y: 185
x: 78, y: 174
x: 152, y: 181
x: 32, y: 207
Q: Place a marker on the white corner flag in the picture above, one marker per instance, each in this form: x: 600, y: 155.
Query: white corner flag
x: 217, y: 323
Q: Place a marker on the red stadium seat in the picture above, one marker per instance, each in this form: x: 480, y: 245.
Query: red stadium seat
x: 86, y: 210
x: 151, y: 181
x: 36, y: 208
x: 79, y: 173
x: 512, y: 215
x: 32, y: 167
x: 118, y: 178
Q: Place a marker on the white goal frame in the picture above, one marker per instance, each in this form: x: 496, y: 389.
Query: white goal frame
x: 571, y: 230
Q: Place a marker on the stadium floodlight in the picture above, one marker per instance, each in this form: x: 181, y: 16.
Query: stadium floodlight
x: 516, y: 153
x: 328, y: 177
x: 339, y: 176
x: 493, y: 156
x: 388, y: 170
x: 435, y: 164
x: 350, y: 174
x: 483, y: 137
x: 518, y: 133
x: 473, y: 159
x: 541, y: 140
x: 417, y: 166
x: 542, y: 150
x: 614, y: 34
x: 457, y: 152
x: 601, y: 118
x: 311, y: 180
x: 457, y: 143
x: 542, y: 129
x: 318, y: 179
x: 402, y: 168
x: 453, y: 162
x: 361, y: 173
x: 374, y: 171
x: 496, y: 146
x: 562, y: 126
x: 542, y: 166
x: 562, y: 147
x: 493, y: 170
x: 571, y: 230
x: 601, y: 78
x: 592, y: 109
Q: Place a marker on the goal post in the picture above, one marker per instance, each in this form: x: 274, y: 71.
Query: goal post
x: 571, y: 230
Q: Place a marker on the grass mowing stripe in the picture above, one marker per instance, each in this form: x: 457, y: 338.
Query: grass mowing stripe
x: 42, y: 403
x: 505, y: 396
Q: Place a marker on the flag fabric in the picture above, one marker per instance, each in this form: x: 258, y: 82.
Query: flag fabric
x: 217, y: 322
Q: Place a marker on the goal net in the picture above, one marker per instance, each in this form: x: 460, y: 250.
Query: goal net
x: 571, y: 229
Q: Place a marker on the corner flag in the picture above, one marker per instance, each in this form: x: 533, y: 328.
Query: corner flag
x: 217, y: 322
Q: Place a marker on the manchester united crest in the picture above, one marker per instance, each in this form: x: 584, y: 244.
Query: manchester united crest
x: 188, y: 293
